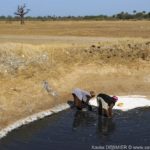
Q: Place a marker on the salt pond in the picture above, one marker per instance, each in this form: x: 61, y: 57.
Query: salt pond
x: 72, y: 129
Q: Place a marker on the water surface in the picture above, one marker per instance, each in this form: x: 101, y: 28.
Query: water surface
x: 72, y: 130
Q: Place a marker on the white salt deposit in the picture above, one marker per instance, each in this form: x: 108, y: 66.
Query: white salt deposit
x: 127, y: 102
x: 32, y: 118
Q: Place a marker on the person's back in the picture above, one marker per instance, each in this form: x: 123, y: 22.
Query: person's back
x: 108, y: 99
x: 106, y: 103
x: 81, y: 97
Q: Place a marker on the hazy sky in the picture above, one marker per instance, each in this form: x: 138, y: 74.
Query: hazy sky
x: 74, y: 7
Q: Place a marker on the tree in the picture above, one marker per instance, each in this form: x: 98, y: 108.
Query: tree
x: 139, y: 15
x: 21, y: 12
x: 134, y: 11
x: 144, y: 12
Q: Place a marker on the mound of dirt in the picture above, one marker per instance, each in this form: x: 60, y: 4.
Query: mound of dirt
x: 123, y: 50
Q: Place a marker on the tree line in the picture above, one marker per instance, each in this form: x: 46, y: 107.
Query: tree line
x: 20, y: 15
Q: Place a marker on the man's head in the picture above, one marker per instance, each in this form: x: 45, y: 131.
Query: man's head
x: 92, y: 93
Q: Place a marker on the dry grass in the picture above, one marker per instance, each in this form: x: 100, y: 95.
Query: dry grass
x: 112, y: 65
x: 23, y: 67
x: 79, y: 28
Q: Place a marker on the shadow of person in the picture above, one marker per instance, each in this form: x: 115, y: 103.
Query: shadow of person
x: 106, y: 126
x: 83, y: 119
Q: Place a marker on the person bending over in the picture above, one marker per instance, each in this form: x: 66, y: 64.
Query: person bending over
x: 105, y: 104
x: 81, y: 98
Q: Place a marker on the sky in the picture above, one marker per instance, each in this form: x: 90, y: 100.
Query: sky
x: 74, y: 7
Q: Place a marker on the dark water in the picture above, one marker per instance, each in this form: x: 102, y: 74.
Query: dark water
x: 72, y: 130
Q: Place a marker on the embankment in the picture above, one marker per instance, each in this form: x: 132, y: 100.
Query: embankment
x: 119, y: 67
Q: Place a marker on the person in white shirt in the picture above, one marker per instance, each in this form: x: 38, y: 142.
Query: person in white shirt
x: 82, y: 97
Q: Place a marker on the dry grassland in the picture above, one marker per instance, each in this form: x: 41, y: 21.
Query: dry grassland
x: 78, y: 28
x: 117, y: 66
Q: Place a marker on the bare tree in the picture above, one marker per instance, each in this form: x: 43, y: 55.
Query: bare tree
x: 21, y: 12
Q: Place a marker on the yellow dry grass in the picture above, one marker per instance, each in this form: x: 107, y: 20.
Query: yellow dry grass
x: 78, y: 28
x: 112, y: 65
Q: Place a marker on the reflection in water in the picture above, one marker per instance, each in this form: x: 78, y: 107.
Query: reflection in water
x: 105, y: 128
x: 83, y: 119
x: 101, y: 127
x: 56, y: 132
x: 106, y: 125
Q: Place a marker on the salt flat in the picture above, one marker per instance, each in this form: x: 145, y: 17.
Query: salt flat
x: 126, y: 103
